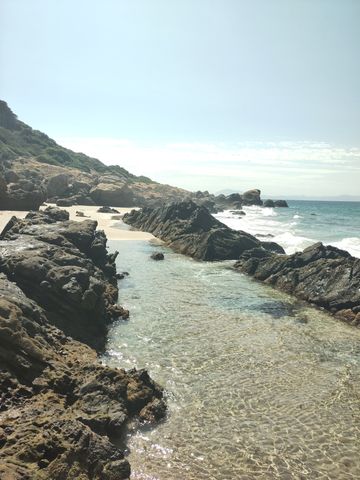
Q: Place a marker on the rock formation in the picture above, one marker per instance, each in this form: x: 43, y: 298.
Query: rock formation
x: 59, y: 408
x: 322, y: 275
x: 192, y: 230
x: 275, y: 203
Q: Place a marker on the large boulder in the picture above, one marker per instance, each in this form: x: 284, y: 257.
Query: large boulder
x: 57, y: 185
x: 22, y: 192
x: 281, y: 203
x: 269, y: 203
x: 190, y: 229
x: 252, y: 197
x: 323, y: 275
x: 112, y: 194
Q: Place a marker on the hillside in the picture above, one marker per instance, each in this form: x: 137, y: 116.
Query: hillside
x: 34, y: 168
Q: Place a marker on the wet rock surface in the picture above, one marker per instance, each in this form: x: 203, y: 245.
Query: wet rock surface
x: 191, y: 229
x: 157, y: 256
x: 60, y: 410
x: 322, y: 275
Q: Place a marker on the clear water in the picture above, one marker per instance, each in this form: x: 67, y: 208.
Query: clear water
x: 259, y: 386
x: 302, y: 224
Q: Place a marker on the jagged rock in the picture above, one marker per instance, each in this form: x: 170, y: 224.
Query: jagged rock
x: 269, y: 203
x: 59, y: 406
x: 323, y: 275
x: 65, y: 267
x: 191, y: 229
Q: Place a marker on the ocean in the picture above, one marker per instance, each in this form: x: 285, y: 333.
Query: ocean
x: 302, y: 224
x: 259, y: 385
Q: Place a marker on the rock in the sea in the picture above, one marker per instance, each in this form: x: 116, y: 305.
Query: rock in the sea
x: 281, y: 204
x: 323, y: 275
x: 252, y: 197
x: 190, y: 229
x: 275, y: 203
x: 157, y: 256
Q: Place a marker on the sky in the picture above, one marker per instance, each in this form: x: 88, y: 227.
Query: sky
x: 202, y: 94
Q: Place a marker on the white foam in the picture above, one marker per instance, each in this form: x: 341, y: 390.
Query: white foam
x: 293, y: 243
x: 350, y: 244
x: 262, y: 222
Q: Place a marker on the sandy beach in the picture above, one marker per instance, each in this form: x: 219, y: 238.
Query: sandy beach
x: 114, y: 228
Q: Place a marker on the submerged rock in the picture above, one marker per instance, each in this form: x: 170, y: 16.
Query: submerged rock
x: 323, y: 275
x: 190, y: 229
x: 157, y: 256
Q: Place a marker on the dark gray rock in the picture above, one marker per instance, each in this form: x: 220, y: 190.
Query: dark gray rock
x: 59, y: 405
x: 322, y: 275
x: 281, y: 204
x: 157, y: 256
x: 64, y: 266
x: 106, y: 209
x: 64, y: 202
x: 191, y: 229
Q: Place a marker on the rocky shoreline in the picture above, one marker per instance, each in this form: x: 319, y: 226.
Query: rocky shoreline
x: 324, y: 276
x: 60, y: 409
x: 190, y: 229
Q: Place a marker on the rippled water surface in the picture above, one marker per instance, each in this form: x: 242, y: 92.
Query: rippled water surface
x: 258, y: 386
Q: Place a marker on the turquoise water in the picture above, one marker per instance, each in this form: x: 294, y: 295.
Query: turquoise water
x: 303, y: 223
x: 259, y: 385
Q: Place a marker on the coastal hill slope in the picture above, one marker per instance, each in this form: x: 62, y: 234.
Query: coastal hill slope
x: 34, y: 168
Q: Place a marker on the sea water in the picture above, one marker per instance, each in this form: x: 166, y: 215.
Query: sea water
x: 302, y: 224
x: 258, y: 384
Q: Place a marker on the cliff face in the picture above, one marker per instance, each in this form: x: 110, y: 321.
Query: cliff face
x: 59, y: 408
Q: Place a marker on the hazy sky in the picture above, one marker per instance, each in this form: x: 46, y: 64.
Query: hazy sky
x: 204, y: 94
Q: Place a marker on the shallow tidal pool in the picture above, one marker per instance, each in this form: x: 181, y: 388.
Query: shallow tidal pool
x: 258, y: 385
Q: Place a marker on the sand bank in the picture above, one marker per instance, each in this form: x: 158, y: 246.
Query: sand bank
x: 115, y: 229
